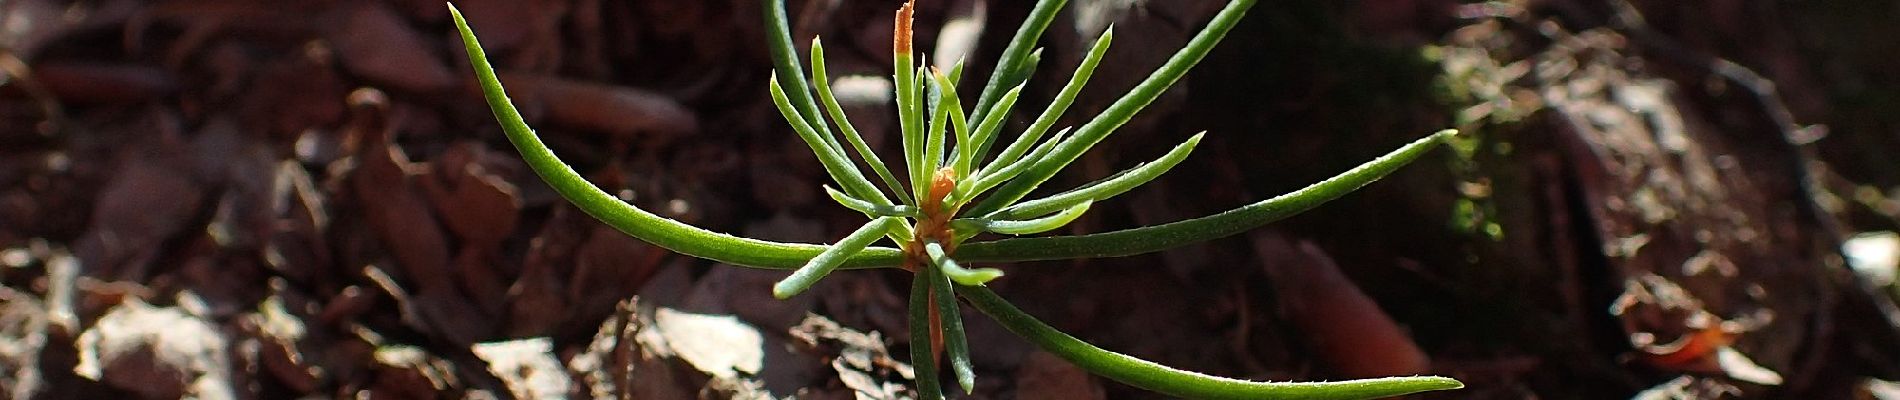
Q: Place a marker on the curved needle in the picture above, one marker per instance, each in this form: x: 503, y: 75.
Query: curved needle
x: 660, y: 231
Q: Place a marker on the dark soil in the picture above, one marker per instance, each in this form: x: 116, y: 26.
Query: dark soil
x: 239, y: 199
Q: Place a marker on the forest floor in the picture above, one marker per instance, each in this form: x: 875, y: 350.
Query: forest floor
x: 232, y: 199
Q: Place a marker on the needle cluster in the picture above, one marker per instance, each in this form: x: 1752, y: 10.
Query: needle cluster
x: 956, y: 186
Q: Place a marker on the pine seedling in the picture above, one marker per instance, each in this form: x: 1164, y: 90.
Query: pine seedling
x: 956, y: 187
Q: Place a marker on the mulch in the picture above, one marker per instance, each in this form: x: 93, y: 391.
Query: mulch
x: 235, y: 200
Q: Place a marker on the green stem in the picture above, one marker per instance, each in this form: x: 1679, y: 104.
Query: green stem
x: 1060, y: 104
x: 778, y: 36
x: 821, y: 80
x: 923, y: 358
x: 1036, y: 225
x: 660, y: 231
x: 1174, y: 382
x: 1166, y: 236
x: 1119, y: 112
x: 837, y: 165
x: 829, y: 260
x: 1015, y: 55
x: 955, y: 343
x: 957, y: 273
x: 1097, y: 191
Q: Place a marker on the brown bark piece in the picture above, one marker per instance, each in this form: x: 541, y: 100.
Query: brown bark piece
x: 153, y: 198
x: 1345, y: 328
x: 622, y: 112
x: 380, y: 46
x: 1045, y: 376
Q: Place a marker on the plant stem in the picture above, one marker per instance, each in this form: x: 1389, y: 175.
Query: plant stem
x: 1174, y: 382
x: 660, y: 231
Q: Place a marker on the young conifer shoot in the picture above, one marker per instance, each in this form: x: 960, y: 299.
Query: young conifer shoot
x: 956, y: 185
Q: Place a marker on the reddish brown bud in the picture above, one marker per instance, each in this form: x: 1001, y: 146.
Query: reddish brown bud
x: 942, y: 183
x: 900, y: 37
